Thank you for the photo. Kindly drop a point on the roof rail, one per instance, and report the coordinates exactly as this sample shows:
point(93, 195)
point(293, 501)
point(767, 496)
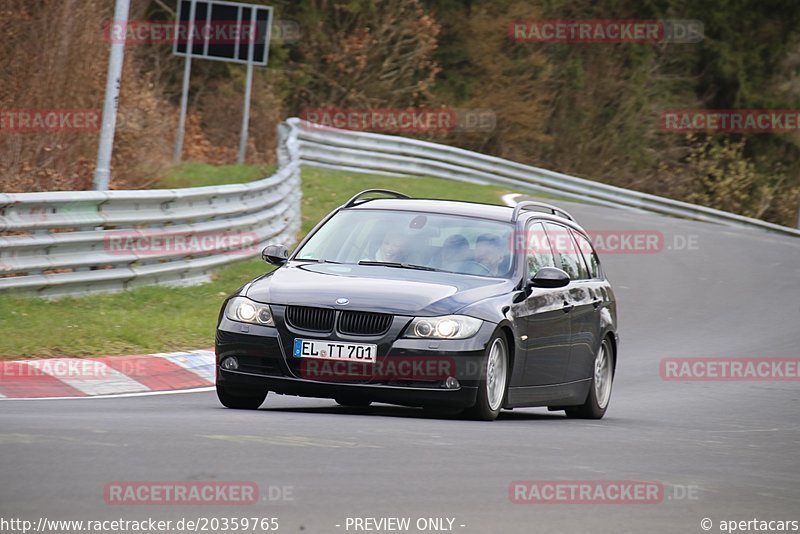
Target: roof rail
point(525, 204)
point(394, 194)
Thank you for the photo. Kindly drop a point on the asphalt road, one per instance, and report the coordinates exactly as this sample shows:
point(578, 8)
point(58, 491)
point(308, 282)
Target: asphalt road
point(722, 450)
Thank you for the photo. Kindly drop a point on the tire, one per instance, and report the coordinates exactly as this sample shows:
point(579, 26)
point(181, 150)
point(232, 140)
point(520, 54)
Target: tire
point(240, 401)
point(600, 391)
point(493, 384)
point(353, 403)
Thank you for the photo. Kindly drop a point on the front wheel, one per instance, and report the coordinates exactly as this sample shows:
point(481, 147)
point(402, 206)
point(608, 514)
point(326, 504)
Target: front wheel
point(600, 391)
point(494, 380)
point(240, 400)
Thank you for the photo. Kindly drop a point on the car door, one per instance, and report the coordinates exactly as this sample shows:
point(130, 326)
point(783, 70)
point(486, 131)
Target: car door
point(545, 342)
point(587, 297)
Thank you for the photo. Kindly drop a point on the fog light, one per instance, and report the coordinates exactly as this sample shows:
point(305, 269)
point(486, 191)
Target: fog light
point(230, 363)
point(452, 383)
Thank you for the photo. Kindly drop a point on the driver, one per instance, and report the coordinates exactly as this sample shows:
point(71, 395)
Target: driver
point(394, 248)
point(489, 252)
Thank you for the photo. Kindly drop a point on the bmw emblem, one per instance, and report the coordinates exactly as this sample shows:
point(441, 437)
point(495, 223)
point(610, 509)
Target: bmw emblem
point(342, 301)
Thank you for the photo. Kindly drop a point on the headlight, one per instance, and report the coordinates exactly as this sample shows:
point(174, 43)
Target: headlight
point(244, 310)
point(447, 327)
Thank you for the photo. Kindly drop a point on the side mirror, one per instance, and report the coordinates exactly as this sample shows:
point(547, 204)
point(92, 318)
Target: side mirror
point(550, 278)
point(275, 254)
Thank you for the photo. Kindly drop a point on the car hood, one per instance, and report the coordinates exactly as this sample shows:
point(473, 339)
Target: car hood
point(374, 288)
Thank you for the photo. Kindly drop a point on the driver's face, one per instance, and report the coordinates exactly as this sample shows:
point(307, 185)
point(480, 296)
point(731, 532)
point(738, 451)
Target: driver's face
point(392, 248)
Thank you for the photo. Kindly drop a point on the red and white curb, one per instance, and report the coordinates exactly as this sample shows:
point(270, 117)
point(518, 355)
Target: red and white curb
point(106, 376)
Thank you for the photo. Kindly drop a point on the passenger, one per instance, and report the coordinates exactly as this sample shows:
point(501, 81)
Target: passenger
point(455, 251)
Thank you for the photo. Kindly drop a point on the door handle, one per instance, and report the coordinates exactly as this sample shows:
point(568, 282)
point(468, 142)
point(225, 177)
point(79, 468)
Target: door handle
point(567, 307)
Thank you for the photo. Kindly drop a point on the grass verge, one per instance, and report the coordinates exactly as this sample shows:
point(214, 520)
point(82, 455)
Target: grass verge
point(162, 319)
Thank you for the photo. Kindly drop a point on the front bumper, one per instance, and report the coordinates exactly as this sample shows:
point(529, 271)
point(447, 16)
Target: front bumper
point(406, 396)
point(264, 364)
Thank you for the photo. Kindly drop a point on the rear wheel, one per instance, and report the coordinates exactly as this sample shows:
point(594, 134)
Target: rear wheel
point(494, 380)
point(240, 400)
point(600, 391)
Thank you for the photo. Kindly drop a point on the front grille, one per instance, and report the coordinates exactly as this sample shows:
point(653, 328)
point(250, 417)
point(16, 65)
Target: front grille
point(313, 319)
point(356, 323)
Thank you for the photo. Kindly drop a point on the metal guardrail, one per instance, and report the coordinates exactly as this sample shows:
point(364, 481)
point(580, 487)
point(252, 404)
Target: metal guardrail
point(62, 243)
point(54, 244)
point(376, 153)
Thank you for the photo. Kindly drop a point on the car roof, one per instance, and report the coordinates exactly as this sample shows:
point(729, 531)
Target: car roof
point(445, 207)
point(458, 207)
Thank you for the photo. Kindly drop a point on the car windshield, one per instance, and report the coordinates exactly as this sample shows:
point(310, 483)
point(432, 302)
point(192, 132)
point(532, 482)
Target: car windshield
point(414, 240)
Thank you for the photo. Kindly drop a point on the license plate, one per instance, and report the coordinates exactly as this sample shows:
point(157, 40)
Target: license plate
point(335, 350)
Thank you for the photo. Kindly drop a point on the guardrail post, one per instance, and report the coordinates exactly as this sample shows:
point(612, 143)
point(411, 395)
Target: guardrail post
point(284, 158)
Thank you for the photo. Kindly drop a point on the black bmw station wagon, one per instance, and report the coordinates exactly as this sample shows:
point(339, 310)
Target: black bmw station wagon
point(430, 303)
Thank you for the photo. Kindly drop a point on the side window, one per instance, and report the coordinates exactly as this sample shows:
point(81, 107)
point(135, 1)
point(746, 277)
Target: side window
point(589, 255)
point(567, 250)
point(537, 248)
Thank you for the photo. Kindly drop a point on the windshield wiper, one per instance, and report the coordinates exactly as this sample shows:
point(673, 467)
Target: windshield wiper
point(398, 265)
point(315, 260)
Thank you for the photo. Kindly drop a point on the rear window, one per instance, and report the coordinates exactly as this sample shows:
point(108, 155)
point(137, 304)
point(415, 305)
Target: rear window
point(566, 249)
